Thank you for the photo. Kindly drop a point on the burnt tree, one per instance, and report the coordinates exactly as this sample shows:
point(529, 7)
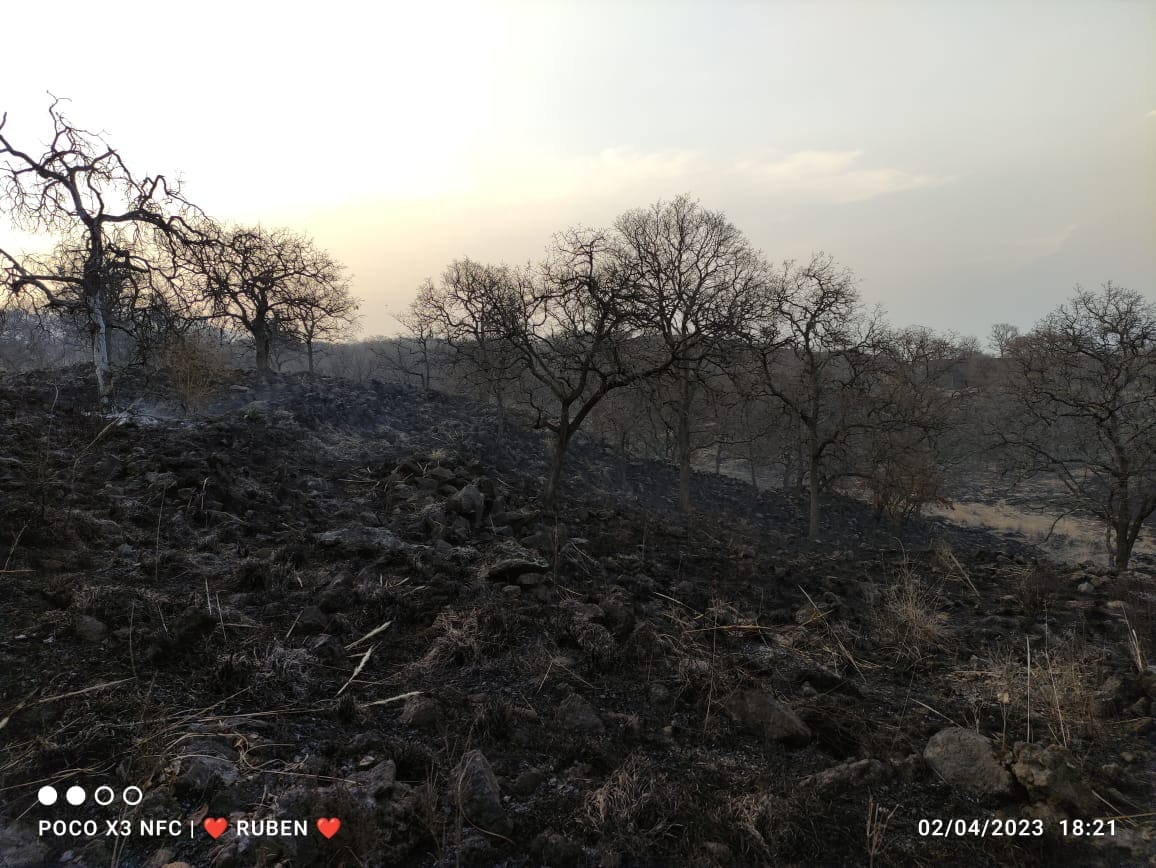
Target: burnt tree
point(263, 280)
point(696, 282)
point(1081, 407)
point(80, 188)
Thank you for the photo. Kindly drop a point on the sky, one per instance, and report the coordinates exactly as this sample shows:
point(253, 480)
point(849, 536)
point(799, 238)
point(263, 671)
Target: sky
point(971, 161)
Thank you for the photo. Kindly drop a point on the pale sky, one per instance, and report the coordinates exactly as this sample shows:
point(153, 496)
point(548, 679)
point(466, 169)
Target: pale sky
point(970, 161)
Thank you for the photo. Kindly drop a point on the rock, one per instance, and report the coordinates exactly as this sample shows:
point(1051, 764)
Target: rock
point(478, 794)
point(865, 772)
point(508, 569)
point(1140, 726)
point(89, 629)
point(577, 715)
point(207, 765)
point(658, 693)
point(311, 621)
point(327, 649)
point(421, 712)
point(759, 711)
point(379, 779)
point(469, 502)
point(1049, 773)
point(441, 474)
point(527, 782)
point(361, 540)
point(966, 760)
point(545, 540)
point(1148, 682)
point(717, 851)
point(557, 851)
point(1085, 587)
point(20, 848)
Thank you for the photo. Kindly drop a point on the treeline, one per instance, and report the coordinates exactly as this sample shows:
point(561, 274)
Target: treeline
point(669, 334)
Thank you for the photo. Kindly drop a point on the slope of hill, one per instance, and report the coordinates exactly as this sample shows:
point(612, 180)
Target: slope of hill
point(318, 600)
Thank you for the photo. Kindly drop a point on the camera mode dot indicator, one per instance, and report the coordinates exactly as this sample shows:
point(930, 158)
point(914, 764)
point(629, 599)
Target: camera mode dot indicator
point(75, 795)
point(47, 796)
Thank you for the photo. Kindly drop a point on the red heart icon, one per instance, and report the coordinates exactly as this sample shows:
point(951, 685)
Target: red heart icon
point(216, 827)
point(328, 826)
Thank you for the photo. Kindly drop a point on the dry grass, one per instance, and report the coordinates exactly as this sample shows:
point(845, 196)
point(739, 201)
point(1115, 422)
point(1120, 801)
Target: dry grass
point(634, 805)
point(1051, 697)
point(952, 567)
point(458, 639)
point(877, 819)
point(196, 369)
point(910, 619)
point(1070, 539)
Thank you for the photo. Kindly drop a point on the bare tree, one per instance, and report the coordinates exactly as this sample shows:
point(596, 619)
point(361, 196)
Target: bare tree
point(1003, 334)
point(815, 351)
point(421, 322)
point(696, 278)
point(1082, 408)
point(913, 445)
point(81, 188)
point(321, 309)
point(265, 281)
point(469, 307)
point(570, 324)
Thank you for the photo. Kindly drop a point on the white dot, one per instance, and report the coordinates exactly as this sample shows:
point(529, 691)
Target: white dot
point(75, 795)
point(47, 796)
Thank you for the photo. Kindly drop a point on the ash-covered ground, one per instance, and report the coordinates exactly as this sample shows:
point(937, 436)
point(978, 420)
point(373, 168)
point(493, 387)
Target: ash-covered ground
point(316, 599)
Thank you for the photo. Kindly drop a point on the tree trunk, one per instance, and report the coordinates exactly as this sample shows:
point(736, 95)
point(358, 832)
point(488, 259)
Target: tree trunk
point(561, 441)
point(813, 485)
point(100, 354)
point(1125, 540)
point(263, 343)
point(684, 440)
point(309, 353)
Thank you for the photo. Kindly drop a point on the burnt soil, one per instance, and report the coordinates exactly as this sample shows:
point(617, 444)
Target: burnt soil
point(189, 600)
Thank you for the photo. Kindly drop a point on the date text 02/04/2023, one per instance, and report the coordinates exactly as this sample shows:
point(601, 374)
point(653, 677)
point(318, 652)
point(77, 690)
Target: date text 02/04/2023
point(996, 828)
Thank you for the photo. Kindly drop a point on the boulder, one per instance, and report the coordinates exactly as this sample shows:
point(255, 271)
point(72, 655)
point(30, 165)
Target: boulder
point(848, 776)
point(421, 712)
point(1050, 774)
point(478, 793)
point(469, 502)
point(361, 540)
point(508, 569)
point(578, 715)
point(208, 765)
point(760, 712)
point(966, 760)
point(89, 629)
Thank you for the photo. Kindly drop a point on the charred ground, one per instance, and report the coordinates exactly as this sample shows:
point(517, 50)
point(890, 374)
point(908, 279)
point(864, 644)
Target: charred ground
point(189, 602)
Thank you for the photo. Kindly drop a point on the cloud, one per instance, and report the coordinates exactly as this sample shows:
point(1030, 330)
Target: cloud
point(833, 176)
point(618, 171)
point(1045, 244)
point(1151, 114)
